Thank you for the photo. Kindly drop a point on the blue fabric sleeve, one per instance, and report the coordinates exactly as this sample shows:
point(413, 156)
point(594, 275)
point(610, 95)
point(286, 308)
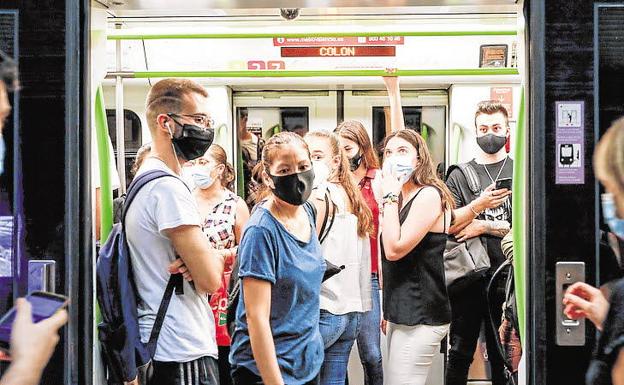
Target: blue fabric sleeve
point(257, 254)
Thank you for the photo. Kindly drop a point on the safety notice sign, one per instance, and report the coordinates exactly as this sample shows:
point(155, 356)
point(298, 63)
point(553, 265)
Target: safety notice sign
point(570, 142)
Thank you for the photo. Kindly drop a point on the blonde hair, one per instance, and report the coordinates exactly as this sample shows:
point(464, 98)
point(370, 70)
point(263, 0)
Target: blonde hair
point(425, 172)
point(345, 179)
point(355, 132)
point(609, 155)
point(217, 153)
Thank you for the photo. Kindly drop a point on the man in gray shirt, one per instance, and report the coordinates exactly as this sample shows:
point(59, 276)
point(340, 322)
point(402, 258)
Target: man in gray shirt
point(162, 224)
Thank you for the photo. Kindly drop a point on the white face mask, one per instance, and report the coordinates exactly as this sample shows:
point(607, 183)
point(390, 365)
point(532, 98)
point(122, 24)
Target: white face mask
point(401, 165)
point(321, 173)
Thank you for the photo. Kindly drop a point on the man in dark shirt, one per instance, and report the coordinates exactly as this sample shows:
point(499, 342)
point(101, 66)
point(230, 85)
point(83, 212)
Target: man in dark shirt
point(487, 215)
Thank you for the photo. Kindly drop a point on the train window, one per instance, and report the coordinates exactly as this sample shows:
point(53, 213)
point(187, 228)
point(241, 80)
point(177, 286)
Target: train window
point(381, 119)
point(268, 121)
point(133, 136)
point(264, 122)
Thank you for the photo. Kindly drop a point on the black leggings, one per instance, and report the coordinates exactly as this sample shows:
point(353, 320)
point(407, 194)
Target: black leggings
point(244, 376)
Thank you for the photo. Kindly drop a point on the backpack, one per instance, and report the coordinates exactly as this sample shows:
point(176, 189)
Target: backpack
point(468, 261)
point(508, 342)
point(125, 356)
point(235, 282)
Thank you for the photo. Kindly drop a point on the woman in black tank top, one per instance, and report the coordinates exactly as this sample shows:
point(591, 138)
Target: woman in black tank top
point(416, 217)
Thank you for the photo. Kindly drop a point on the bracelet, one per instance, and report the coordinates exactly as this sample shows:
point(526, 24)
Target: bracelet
point(474, 211)
point(389, 199)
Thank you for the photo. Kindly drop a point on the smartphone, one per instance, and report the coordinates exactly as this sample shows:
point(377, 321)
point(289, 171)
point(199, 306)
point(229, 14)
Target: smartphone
point(503, 183)
point(43, 305)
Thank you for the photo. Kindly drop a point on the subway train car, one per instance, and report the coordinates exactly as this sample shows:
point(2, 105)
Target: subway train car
point(78, 120)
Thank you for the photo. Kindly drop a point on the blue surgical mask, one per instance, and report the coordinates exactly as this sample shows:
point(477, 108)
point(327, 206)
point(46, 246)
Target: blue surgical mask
point(2, 151)
point(202, 178)
point(609, 212)
point(401, 165)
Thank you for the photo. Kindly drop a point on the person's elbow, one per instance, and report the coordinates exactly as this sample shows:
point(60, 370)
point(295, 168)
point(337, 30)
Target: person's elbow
point(393, 254)
point(209, 283)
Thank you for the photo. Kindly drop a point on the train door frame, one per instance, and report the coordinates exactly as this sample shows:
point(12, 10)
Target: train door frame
point(79, 337)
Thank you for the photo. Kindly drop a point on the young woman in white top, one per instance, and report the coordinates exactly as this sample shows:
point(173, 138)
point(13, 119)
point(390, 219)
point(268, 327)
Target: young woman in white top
point(346, 296)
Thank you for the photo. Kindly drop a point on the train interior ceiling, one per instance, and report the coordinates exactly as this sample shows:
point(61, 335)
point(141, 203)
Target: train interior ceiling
point(450, 55)
point(293, 65)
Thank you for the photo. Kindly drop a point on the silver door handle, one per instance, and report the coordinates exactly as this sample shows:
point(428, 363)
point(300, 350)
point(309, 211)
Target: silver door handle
point(41, 275)
point(569, 332)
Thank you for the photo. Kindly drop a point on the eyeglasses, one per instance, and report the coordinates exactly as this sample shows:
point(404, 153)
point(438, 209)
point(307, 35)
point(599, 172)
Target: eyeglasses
point(200, 120)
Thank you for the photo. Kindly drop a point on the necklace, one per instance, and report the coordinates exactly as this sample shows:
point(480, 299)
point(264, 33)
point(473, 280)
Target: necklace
point(499, 171)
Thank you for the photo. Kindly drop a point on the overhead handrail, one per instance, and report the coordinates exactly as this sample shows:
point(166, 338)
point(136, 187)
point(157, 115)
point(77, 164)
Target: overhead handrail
point(518, 226)
point(247, 35)
point(310, 73)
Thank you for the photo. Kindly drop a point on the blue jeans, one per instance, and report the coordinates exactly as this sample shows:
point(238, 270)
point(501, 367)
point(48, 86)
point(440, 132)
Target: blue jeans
point(339, 333)
point(369, 339)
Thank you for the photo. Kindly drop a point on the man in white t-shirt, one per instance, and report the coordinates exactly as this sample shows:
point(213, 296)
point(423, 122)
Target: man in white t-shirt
point(163, 223)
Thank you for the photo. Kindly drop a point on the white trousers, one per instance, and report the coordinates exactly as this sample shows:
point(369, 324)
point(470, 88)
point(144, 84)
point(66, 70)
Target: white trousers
point(410, 352)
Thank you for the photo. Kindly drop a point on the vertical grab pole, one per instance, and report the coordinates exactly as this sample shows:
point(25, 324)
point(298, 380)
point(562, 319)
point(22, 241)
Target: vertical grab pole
point(518, 227)
point(106, 191)
point(120, 120)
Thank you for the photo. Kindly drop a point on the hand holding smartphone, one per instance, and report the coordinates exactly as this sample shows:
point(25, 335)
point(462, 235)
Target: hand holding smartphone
point(42, 305)
point(504, 183)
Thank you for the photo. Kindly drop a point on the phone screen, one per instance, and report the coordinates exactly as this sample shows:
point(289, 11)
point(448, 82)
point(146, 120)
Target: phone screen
point(503, 183)
point(43, 305)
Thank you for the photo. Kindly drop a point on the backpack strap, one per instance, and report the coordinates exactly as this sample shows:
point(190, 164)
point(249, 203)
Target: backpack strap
point(175, 280)
point(474, 183)
point(325, 229)
point(138, 183)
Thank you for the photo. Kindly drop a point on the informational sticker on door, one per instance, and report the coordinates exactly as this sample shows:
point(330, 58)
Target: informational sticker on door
point(570, 143)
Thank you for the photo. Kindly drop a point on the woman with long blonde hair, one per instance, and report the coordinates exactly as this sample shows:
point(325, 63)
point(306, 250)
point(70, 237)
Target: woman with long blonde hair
point(416, 218)
point(346, 296)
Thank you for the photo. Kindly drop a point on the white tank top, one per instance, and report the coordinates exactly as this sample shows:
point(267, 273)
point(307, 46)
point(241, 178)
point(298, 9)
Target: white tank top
point(350, 290)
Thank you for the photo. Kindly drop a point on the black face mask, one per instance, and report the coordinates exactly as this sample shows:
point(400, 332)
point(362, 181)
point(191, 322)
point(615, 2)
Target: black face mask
point(491, 143)
point(294, 188)
point(192, 141)
point(355, 162)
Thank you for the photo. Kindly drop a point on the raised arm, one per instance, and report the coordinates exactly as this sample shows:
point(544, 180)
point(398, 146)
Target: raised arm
point(396, 110)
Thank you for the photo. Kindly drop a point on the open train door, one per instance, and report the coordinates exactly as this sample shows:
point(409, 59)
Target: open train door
point(45, 216)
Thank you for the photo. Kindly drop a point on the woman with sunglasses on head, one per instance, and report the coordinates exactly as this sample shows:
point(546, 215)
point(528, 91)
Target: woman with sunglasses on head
point(348, 223)
point(276, 339)
point(223, 217)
